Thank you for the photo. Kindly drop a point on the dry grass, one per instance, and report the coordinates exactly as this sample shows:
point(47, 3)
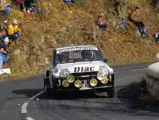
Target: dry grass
point(61, 24)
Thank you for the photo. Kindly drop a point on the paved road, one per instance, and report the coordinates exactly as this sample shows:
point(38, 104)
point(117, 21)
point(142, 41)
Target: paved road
point(76, 106)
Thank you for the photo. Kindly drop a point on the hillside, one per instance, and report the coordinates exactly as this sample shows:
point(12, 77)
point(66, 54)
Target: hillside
point(60, 24)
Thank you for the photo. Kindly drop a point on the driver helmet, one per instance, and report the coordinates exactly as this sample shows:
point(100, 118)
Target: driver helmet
point(87, 54)
point(64, 57)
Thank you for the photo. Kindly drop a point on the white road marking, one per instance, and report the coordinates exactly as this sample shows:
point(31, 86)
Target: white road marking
point(24, 108)
point(25, 105)
point(138, 69)
point(133, 70)
point(29, 118)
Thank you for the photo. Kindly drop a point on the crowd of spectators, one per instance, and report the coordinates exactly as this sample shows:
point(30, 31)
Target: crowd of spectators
point(136, 17)
point(9, 33)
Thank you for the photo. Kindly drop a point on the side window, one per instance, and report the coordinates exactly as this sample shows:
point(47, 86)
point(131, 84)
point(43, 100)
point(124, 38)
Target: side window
point(53, 58)
point(100, 54)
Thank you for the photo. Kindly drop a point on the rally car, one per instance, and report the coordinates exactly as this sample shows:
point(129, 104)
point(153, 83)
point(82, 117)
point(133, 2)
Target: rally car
point(79, 68)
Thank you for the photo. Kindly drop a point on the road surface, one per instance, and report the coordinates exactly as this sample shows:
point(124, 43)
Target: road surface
point(25, 100)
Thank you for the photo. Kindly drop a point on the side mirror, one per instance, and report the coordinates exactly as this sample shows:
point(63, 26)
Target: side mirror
point(105, 60)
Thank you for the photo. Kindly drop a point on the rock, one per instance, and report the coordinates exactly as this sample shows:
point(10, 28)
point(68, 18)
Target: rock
point(47, 60)
point(42, 39)
point(17, 51)
point(63, 29)
point(138, 33)
point(3, 3)
point(54, 41)
point(157, 55)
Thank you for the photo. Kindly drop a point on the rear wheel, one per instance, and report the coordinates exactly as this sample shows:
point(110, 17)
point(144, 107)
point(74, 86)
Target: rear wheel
point(110, 92)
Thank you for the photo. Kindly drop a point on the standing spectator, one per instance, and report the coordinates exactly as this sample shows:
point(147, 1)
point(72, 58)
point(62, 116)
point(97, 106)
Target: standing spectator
point(14, 30)
point(121, 10)
point(3, 58)
point(138, 21)
point(101, 24)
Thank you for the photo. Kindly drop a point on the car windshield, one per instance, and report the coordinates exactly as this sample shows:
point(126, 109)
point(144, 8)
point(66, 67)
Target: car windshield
point(79, 56)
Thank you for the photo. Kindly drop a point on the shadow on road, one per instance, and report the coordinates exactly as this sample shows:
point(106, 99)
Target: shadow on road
point(59, 95)
point(126, 99)
point(131, 96)
point(27, 92)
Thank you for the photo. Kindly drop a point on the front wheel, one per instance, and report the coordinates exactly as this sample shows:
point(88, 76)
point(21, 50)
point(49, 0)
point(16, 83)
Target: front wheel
point(48, 90)
point(110, 92)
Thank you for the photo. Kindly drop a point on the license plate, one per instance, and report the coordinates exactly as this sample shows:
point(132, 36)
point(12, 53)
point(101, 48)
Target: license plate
point(85, 84)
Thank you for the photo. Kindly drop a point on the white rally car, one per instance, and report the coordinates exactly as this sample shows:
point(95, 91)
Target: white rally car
point(79, 68)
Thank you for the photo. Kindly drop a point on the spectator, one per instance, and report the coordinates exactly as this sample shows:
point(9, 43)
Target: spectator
point(1, 11)
point(21, 3)
point(14, 30)
point(7, 10)
point(137, 19)
point(121, 10)
point(5, 41)
point(68, 1)
point(154, 3)
point(3, 58)
point(3, 27)
point(32, 10)
point(1, 37)
point(101, 24)
point(156, 35)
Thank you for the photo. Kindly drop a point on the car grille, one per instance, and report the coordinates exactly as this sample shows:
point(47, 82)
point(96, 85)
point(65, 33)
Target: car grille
point(85, 75)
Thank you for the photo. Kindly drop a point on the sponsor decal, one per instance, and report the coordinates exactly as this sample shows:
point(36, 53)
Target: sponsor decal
point(75, 49)
point(83, 69)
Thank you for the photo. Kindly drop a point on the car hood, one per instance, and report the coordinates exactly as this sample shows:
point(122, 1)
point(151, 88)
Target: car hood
point(80, 67)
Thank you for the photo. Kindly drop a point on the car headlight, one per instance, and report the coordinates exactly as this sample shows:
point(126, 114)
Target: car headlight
point(100, 76)
point(93, 82)
point(103, 70)
point(102, 73)
point(105, 80)
point(64, 73)
point(78, 83)
point(65, 83)
point(70, 78)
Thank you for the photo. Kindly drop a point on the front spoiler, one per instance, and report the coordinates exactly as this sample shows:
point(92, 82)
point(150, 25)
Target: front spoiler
point(101, 88)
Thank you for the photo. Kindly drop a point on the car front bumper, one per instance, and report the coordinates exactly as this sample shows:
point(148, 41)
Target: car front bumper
point(99, 88)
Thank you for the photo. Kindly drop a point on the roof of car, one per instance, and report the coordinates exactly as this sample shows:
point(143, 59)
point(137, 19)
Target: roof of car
point(84, 46)
point(79, 47)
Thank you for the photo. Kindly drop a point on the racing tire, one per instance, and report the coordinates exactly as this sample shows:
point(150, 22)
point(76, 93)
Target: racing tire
point(48, 90)
point(110, 92)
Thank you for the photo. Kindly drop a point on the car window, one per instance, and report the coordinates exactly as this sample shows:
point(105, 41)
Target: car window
point(79, 56)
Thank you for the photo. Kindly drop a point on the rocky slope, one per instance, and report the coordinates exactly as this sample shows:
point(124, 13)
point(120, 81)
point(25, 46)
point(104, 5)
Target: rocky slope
point(61, 24)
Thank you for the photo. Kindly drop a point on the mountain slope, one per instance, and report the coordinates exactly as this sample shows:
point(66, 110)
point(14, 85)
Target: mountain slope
point(61, 24)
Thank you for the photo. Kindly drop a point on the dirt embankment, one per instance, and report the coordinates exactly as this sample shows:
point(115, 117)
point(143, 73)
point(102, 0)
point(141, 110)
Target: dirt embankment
point(61, 24)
